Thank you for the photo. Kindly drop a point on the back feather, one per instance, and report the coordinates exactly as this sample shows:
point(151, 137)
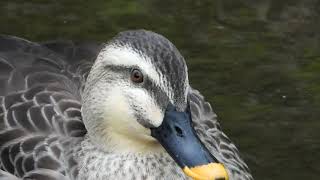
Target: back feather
point(40, 90)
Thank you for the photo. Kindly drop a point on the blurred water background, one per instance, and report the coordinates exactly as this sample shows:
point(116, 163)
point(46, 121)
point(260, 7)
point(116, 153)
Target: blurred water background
point(256, 61)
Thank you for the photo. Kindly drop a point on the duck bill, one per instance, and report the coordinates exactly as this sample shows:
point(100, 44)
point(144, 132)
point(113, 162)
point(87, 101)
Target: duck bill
point(178, 137)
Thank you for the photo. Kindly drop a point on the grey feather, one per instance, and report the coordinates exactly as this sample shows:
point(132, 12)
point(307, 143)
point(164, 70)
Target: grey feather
point(40, 109)
point(209, 131)
point(7, 176)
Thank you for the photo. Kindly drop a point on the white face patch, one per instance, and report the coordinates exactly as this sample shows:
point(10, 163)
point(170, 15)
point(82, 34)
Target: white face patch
point(120, 126)
point(126, 56)
point(146, 106)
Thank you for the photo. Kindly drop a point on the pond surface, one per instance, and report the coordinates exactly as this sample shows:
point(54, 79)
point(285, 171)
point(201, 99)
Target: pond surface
point(257, 62)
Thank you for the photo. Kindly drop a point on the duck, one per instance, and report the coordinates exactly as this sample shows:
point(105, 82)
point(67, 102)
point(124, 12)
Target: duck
point(123, 109)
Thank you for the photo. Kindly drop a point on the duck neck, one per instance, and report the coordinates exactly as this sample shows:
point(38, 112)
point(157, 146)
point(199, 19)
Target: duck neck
point(96, 163)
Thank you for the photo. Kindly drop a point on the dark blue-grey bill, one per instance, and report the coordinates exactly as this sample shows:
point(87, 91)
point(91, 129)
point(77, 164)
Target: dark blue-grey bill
point(177, 135)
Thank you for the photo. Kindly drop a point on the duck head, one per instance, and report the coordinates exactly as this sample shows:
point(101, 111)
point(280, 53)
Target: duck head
point(136, 101)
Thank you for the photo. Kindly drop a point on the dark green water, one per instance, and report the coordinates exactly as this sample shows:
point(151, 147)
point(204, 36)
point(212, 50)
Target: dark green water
point(256, 61)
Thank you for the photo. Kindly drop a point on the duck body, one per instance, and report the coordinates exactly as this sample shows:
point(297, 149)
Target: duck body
point(43, 135)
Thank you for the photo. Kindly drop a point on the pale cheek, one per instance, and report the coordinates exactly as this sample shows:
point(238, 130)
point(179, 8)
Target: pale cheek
point(155, 115)
point(118, 115)
point(147, 107)
point(121, 130)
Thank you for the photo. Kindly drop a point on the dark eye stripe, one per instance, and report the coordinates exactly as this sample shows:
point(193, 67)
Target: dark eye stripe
point(159, 95)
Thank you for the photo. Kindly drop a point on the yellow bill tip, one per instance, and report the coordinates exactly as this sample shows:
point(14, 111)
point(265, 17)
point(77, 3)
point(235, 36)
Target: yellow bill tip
point(212, 171)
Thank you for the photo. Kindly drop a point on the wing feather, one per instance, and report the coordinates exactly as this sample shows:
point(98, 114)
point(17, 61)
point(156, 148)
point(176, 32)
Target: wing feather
point(7, 176)
point(40, 117)
point(209, 131)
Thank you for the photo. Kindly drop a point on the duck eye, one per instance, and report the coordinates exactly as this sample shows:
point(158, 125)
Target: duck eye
point(136, 76)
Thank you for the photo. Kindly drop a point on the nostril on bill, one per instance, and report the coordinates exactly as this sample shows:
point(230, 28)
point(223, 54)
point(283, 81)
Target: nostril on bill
point(178, 131)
